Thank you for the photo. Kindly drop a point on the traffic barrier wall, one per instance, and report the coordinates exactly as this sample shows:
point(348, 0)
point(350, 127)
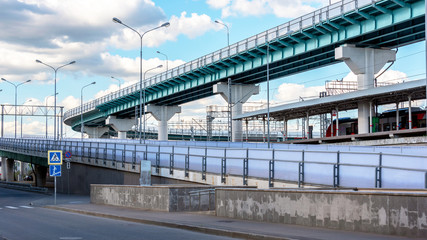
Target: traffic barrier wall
point(383, 212)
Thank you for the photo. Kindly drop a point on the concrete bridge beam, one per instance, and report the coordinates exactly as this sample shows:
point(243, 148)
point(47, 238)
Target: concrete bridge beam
point(120, 125)
point(239, 95)
point(364, 63)
point(163, 114)
point(96, 132)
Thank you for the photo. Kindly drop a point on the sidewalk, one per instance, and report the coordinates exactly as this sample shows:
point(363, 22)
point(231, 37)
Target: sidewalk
point(211, 224)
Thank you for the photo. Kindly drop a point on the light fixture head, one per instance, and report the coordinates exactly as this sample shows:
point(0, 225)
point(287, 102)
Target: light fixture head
point(160, 66)
point(93, 83)
point(72, 62)
point(116, 20)
point(216, 21)
point(158, 51)
point(28, 80)
point(3, 79)
point(166, 24)
point(38, 61)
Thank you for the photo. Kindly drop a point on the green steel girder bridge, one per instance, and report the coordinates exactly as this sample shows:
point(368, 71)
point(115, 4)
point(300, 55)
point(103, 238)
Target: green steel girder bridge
point(302, 44)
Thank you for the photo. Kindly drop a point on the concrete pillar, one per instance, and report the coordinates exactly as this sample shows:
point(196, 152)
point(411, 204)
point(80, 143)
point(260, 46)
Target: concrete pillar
point(285, 129)
point(364, 63)
point(370, 117)
point(308, 126)
point(120, 125)
point(163, 114)
point(96, 132)
point(3, 169)
point(41, 173)
point(8, 165)
point(239, 94)
point(337, 123)
point(397, 116)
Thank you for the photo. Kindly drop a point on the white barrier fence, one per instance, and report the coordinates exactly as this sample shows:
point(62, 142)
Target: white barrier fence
point(337, 166)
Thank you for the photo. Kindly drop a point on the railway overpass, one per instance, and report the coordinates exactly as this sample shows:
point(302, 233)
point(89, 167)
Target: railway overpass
point(367, 29)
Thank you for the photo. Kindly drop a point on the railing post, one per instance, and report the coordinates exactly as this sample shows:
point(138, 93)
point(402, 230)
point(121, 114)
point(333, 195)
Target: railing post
point(245, 168)
point(271, 171)
point(204, 164)
point(105, 154)
point(337, 171)
point(301, 171)
point(158, 160)
point(224, 166)
point(124, 155)
point(378, 172)
point(97, 153)
point(171, 161)
point(114, 155)
point(187, 162)
point(134, 157)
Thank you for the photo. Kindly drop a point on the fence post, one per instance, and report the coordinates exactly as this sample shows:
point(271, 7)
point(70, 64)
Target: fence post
point(114, 155)
point(337, 171)
point(204, 164)
point(378, 182)
point(271, 172)
point(224, 166)
point(187, 162)
point(171, 161)
point(246, 168)
point(134, 157)
point(158, 160)
point(301, 171)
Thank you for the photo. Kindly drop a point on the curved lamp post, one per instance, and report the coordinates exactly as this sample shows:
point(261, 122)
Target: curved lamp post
point(167, 68)
point(16, 96)
point(228, 31)
point(54, 109)
point(118, 80)
point(47, 110)
point(81, 108)
point(143, 99)
point(167, 24)
point(28, 100)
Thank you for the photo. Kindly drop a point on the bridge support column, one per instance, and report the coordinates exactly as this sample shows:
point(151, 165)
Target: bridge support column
point(364, 63)
point(239, 94)
point(162, 114)
point(96, 132)
point(120, 125)
point(3, 169)
point(7, 169)
point(41, 173)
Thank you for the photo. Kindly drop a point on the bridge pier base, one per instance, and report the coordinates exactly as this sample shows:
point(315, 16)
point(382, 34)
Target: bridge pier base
point(120, 125)
point(41, 173)
point(364, 63)
point(239, 94)
point(163, 114)
point(7, 169)
point(96, 132)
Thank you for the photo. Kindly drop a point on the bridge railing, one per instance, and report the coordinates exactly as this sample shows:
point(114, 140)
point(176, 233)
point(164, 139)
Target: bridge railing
point(280, 32)
point(355, 168)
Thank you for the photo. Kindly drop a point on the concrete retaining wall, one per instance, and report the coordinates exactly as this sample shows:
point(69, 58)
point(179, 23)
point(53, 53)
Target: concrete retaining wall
point(173, 198)
point(391, 213)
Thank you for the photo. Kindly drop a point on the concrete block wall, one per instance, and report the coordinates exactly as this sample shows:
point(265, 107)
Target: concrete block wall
point(392, 213)
point(172, 198)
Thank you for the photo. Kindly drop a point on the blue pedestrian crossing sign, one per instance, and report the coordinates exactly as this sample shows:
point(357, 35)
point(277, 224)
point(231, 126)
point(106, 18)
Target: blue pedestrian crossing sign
point(54, 157)
point(55, 170)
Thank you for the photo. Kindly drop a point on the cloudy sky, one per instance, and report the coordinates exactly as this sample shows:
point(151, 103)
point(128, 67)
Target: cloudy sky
point(59, 31)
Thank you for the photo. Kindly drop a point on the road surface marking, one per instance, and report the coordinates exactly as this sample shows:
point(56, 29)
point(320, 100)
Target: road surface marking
point(10, 207)
point(25, 207)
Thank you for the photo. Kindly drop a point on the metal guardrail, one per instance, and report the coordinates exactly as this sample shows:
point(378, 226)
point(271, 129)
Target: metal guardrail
point(202, 205)
point(23, 186)
point(281, 31)
point(322, 167)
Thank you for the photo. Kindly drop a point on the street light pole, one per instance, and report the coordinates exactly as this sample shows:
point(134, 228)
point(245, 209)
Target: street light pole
point(81, 108)
point(16, 97)
point(228, 31)
point(167, 68)
point(54, 109)
point(167, 24)
point(143, 100)
point(118, 80)
point(29, 100)
point(48, 111)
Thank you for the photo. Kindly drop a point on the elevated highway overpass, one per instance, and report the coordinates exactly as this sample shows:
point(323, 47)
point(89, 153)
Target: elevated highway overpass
point(305, 43)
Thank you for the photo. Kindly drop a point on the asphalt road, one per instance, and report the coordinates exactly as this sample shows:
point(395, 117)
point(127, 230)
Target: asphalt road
point(22, 216)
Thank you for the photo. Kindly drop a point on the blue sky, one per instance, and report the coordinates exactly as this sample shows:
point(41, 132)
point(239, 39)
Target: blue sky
point(57, 32)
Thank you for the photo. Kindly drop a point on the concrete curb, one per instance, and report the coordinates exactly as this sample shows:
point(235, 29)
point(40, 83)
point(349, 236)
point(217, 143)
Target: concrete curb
point(206, 230)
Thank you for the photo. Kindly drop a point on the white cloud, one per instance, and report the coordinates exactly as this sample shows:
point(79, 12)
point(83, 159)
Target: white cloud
point(291, 92)
point(280, 8)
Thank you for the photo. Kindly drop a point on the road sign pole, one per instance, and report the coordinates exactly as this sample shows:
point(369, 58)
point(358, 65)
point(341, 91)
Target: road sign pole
point(55, 191)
